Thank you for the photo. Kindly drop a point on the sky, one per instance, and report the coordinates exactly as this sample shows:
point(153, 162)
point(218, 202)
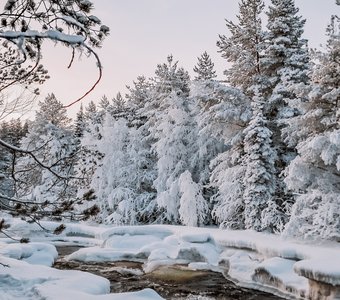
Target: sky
point(145, 32)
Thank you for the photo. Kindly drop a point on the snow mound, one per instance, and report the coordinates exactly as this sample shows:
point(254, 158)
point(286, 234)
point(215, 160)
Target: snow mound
point(326, 270)
point(33, 253)
point(21, 280)
point(279, 273)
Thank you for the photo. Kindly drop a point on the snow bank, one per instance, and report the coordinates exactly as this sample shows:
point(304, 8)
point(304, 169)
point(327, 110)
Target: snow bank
point(324, 270)
point(21, 280)
point(33, 253)
point(279, 272)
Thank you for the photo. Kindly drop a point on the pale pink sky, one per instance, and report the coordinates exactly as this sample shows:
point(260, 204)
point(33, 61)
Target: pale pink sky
point(145, 32)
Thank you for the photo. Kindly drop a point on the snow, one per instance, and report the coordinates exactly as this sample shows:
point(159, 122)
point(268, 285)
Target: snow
point(325, 270)
point(33, 253)
point(251, 259)
point(21, 280)
point(50, 34)
point(282, 271)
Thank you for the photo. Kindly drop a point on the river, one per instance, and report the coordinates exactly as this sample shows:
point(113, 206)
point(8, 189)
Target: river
point(175, 282)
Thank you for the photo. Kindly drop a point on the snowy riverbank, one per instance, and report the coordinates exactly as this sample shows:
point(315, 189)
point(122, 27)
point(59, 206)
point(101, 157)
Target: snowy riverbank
point(291, 269)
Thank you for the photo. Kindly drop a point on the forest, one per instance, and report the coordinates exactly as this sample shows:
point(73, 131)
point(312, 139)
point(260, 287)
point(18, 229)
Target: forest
point(259, 150)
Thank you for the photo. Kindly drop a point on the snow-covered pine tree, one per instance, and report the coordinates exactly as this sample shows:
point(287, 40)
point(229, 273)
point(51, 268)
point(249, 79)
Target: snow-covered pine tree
point(122, 181)
point(220, 113)
point(89, 157)
point(53, 111)
point(173, 134)
point(259, 181)
point(193, 208)
point(285, 64)
point(118, 167)
point(286, 59)
point(92, 117)
point(51, 141)
point(243, 48)
point(237, 201)
point(204, 68)
point(79, 124)
point(314, 175)
point(118, 103)
point(138, 93)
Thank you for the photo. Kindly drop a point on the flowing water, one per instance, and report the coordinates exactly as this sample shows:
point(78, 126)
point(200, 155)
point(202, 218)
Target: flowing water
point(174, 282)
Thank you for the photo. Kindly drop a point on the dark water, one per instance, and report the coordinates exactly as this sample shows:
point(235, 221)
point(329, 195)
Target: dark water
point(171, 283)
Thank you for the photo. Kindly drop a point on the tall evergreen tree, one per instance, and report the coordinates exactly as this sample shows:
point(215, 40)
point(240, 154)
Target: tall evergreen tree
point(243, 48)
point(51, 141)
point(170, 131)
point(286, 59)
point(315, 173)
point(79, 125)
point(246, 165)
point(259, 175)
point(204, 68)
point(122, 182)
point(285, 66)
point(53, 111)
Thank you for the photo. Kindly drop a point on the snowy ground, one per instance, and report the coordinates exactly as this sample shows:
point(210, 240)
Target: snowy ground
point(251, 259)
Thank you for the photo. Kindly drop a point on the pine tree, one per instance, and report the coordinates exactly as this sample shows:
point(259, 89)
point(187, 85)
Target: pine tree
point(314, 174)
point(122, 183)
point(138, 93)
point(79, 123)
point(285, 65)
point(220, 114)
point(50, 139)
point(172, 135)
point(205, 68)
point(241, 203)
point(243, 48)
point(53, 111)
point(118, 103)
point(259, 175)
point(286, 58)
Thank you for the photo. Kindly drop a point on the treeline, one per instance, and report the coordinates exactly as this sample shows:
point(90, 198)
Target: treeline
point(260, 151)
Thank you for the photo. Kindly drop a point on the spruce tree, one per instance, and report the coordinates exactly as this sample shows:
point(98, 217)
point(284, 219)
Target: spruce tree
point(204, 68)
point(53, 111)
point(244, 163)
point(285, 65)
point(79, 123)
point(259, 178)
point(286, 58)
